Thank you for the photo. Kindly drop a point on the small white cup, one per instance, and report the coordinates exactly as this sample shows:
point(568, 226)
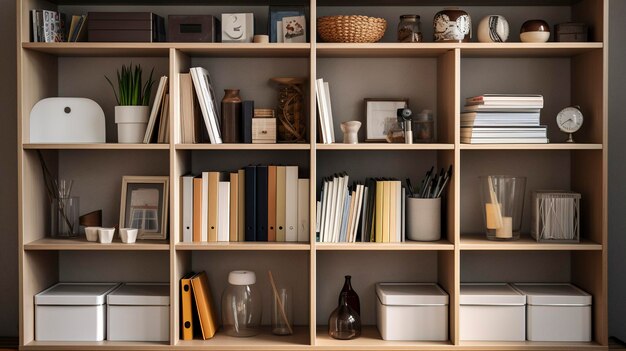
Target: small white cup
point(128, 235)
point(91, 233)
point(106, 235)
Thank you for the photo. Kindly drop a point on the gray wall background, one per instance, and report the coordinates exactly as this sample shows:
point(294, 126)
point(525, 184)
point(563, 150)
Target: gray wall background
point(8, 177)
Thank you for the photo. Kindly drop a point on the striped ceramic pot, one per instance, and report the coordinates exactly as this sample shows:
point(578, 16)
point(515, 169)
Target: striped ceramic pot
point(493, 29)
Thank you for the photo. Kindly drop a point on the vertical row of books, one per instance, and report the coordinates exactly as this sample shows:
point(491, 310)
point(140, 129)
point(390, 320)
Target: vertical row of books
point(158, 130)
point(370, 212)
point(51, 27)
point(324, 108)
point(256, 203)
point(503, 119)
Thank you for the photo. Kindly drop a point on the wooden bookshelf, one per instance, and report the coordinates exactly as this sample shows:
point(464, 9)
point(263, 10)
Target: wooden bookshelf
point(435, 76)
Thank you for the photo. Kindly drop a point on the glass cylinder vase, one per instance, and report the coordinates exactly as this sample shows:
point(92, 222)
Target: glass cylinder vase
point(282, 312)
point(502, 204)
point(241, 305)
point(64, 217)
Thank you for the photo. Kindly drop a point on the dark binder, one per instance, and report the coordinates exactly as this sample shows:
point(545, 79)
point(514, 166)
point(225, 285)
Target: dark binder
point(247, 112)
point(261, 203)
point(250, 175)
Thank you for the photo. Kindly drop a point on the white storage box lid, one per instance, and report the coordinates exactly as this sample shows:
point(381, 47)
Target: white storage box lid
point(490, 295)
point(72, 294)
point(554, 294)
point(140, 294)
point(411, 294)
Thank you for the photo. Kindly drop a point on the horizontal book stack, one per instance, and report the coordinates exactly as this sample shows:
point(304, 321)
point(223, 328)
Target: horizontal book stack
point(503, 119)
point(370, 212)
point(256, 203)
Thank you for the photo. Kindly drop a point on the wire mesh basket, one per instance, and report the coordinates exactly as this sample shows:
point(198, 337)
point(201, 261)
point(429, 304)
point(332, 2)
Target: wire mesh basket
point(556, 216)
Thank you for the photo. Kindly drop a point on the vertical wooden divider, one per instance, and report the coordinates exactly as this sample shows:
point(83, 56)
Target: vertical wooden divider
point(312, 172)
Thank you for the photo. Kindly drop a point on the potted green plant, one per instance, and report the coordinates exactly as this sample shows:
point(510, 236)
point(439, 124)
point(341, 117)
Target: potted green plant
point(133, 97)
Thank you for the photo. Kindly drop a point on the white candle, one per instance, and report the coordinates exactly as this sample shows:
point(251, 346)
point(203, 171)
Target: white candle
point(506, 231)
point(493, 216)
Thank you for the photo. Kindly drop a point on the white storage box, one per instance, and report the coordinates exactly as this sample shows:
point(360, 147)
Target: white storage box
point(72, 312)
point(556, 312)
point(412, 311)
point(139, 312)
point(492, 312)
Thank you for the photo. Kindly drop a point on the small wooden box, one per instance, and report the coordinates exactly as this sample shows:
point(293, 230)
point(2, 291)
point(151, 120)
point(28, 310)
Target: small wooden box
point(193, 28)
point(143, 27)
point(264, 130)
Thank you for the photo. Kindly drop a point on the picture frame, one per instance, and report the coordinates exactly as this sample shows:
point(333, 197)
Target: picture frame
point(144, 205)
point(378, 111)
point(275, 21)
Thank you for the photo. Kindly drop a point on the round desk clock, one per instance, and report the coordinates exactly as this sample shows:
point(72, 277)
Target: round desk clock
point(569, 120)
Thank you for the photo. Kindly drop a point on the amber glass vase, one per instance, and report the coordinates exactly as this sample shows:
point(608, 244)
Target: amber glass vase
point(344, 323)
point(352, 296)
point(231, 116)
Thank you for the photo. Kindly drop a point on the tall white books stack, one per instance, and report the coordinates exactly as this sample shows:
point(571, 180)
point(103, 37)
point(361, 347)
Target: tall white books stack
point(208, 104)
point(503, 119)
point(325, 112)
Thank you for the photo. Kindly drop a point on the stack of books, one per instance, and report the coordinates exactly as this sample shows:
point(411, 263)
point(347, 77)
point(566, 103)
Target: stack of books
point(370, 212)
point(256, 203)
point(503, 119)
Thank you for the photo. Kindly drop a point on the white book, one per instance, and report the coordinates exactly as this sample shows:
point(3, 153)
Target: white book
point(303, 210)
point(337, 208)
point(330, 209)
point(223, 211)
point(321, 106)
point(205, 207)
point(327, 188)
point(344, 221)
point(357, 212)
point(318, 212)
point(291, 203)
point(364, 235)
point(202, 83)
point(349, 218)
point(156, 107)
point(398, 219)
point(187, 203)
point(343, 195)
point(329, 112)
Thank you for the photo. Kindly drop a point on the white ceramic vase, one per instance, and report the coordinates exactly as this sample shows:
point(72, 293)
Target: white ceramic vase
point(132, 122)
point(493, 29)
point(350, 131)
point(105, 235)
point(128, 235)
point(91, 233)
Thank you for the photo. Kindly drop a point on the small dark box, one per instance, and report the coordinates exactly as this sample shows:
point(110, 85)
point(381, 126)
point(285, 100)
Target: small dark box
point(571, 32)
point(142, 27)
point(193, 28)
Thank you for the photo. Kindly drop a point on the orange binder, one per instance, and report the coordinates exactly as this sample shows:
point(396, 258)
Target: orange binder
point(186, 307)
point(214, 180)
point(197, 210)
point(271, 203)
point(204, 304)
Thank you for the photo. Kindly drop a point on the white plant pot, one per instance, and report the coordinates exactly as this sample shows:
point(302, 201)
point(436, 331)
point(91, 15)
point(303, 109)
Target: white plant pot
point(132, 122)
point(91, 233)
point(128, 235)
point(106, 235)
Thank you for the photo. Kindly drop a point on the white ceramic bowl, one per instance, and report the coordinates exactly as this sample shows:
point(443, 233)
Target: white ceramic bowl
point(106, 235)
point(128, 235)
point(534, 37)
point(91, 233)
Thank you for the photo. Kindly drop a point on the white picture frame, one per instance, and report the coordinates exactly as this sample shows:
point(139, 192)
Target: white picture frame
point(144, 205)
point(377, 113)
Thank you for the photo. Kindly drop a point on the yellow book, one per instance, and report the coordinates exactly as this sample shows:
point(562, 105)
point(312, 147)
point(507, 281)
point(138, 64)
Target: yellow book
point(186, 307)
point(204, 304)
point(393, 200)
point(281, 199)
point(234, 206)
point(379, 211)
point(214, 180)
point(386, 210)
point(241, 206)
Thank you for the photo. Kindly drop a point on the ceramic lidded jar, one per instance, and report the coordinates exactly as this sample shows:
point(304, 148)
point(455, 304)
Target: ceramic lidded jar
point(452, 25)
point(493, 29)
point(535, 31)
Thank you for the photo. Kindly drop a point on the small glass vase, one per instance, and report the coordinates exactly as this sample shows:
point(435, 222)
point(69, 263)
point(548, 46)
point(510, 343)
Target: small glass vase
point(503, 204)
point(282, 313)
point(64, 217)
point(344, 323)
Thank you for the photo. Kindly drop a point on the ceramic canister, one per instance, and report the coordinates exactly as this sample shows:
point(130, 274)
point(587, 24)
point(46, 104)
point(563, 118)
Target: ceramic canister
point(535, 31)
point(493, 29)
point(452, 25)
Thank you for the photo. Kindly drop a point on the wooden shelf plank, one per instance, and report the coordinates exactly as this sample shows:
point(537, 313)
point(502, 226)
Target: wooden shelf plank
point(82, 244)
point(551, 146)
point(244, 246)
point(96, 345)
point(245, 49)
point(480, 242)
point(526, 49)
point(406, 246)
point(276, 146)
point(384, 146)
point(101, 49)
point(344, 50)
point(528, 345)
point(370, 339)
point(264, 341)
point(102, 146)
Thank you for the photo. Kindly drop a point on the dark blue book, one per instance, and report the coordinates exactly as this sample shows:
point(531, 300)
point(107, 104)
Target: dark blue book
point(261, 203)
point(250, 206)
point(247, 113)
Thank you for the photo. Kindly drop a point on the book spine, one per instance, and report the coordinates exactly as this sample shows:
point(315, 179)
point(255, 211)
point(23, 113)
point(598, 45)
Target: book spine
point(247, 113)
point(250, 179)
point(261, 203)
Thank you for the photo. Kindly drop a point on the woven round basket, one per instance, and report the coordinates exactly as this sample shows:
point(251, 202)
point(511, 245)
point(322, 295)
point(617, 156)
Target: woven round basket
point(351, 29)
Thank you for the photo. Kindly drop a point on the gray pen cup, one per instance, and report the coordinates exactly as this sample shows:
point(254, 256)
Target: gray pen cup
point(423, 219)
